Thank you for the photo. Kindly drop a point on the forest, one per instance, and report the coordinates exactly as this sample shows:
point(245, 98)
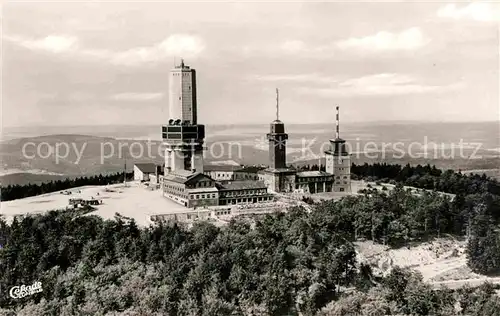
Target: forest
point(290, 263)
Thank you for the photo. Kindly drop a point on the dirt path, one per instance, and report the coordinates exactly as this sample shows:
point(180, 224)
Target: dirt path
point(455, 284)
point(432, 270)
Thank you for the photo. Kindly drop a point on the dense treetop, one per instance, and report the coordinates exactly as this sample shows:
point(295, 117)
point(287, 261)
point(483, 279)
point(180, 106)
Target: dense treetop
point(289, 263)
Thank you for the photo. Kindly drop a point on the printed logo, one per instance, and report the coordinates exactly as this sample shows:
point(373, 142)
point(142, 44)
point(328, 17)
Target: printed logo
point(25, 290)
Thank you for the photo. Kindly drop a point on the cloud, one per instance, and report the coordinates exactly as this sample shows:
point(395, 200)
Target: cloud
point(476, 11)
point(380, 84)
point(176, 45)
point(301, 78)
point(130, 96)
point(409, 39)
point(293, 46)
point(52, 43)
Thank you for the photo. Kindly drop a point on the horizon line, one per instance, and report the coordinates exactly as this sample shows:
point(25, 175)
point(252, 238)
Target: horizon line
point(258, 123)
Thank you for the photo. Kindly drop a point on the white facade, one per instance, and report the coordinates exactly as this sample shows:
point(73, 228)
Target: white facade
point(139, 175)
point(174, 160)
point(197, 161)
point(182, 94)
point(221, 175)
point(340, 167)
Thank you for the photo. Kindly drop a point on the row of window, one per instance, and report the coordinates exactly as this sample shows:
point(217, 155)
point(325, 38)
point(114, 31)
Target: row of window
point(338, 182)
point(338, 177)
point(244, 192)
point(177, 74)
point(231, 176)
point(322, 179)
point(203, 184)
point(224, 175)
point(174, 188)
point(246, 200)
point(175, 196)
point(202, 196)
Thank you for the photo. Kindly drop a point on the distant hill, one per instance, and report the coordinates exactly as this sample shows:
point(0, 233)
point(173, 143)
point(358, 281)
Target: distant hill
point(90, 155)
point(241, 144)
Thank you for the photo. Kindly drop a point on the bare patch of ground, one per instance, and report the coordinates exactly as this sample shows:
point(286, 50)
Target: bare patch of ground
point(441, 262)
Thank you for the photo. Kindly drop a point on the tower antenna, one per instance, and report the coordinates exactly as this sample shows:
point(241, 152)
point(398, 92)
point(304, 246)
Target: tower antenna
point(337, 133)
point(125, 172)
point(277, 104)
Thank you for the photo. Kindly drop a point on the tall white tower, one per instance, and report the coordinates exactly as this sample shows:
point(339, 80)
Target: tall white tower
point(182, 135)
point(338, 161)
point(182, 94)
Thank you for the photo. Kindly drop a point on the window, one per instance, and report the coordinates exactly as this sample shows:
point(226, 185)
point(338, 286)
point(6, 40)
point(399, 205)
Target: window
point(197, 196)
point(203, 196)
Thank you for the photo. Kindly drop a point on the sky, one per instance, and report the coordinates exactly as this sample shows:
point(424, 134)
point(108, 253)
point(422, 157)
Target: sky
point(107, 63)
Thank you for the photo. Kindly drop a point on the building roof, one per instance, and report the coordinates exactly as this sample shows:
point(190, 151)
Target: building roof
point(313, 174)
point(250, 169)
point(221, 168)
point(174, 178)
point(337, 140)
point(203, 190)
point(278, 170)
point(184, 173)
point(180, 176)
point(146, 167)
point(242, 185)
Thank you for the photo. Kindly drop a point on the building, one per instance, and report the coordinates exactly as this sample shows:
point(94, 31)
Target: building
point(156, 179)
point(338, 161)
point(243, 192)
point(182, 94)
point(183, 136)
point(278, 177)
point(191, 189)
point(221, 172)
point(314, 182)
point(224, 173)
point(143, 171)
point(186, 180)
point(248, 173)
